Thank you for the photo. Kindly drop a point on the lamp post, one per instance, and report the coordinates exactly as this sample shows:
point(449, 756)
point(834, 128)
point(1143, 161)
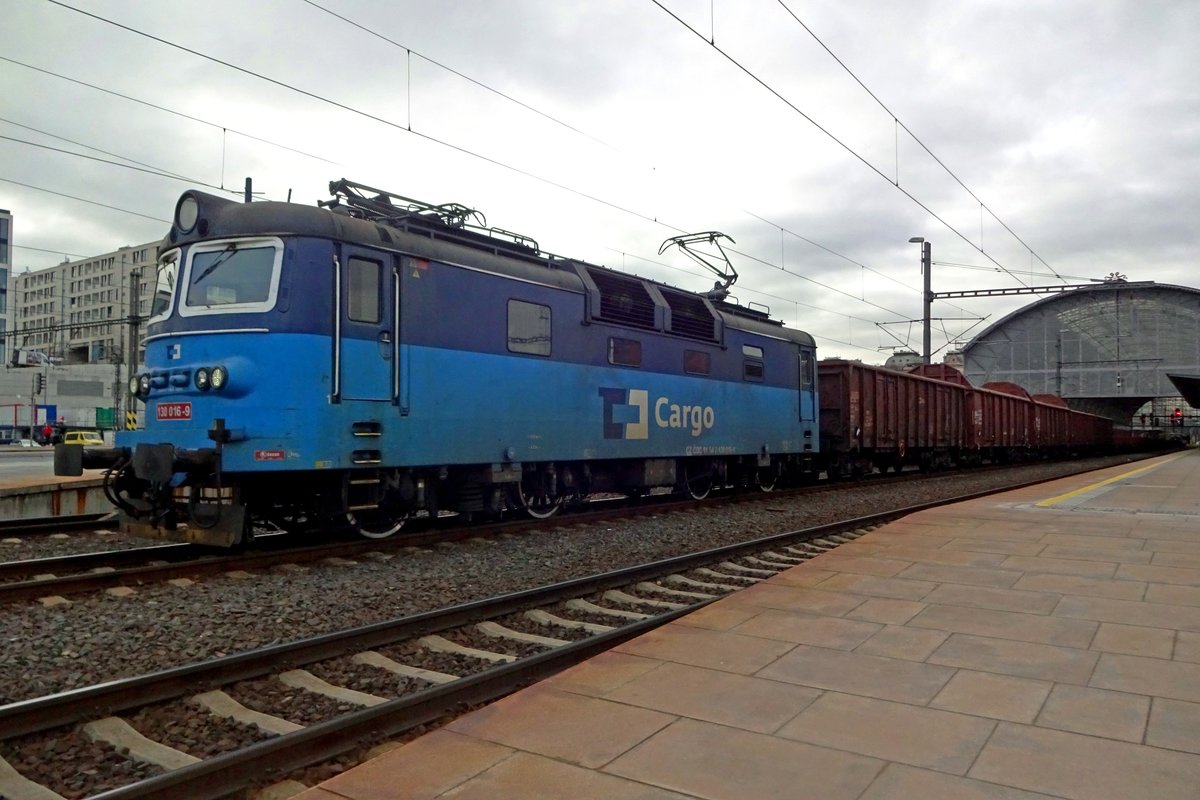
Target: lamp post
point(927, 294)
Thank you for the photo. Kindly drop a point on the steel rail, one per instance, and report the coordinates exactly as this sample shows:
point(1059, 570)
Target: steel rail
point(224, 774)
point(132, 566)
point(28, 716)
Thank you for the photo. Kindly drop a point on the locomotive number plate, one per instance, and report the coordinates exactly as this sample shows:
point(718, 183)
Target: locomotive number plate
point(174, 411)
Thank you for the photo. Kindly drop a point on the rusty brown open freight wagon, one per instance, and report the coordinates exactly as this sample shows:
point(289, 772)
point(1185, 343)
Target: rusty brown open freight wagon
point(872, 416)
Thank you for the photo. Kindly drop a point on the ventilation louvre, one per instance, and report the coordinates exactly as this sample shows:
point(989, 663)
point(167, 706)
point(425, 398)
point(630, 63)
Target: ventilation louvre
point(690, 316)
point(623, 300)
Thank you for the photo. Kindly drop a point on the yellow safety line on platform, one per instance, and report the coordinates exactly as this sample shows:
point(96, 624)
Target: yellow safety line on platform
point(1114, 479)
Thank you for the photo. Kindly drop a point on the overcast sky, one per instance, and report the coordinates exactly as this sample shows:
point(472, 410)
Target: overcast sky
point(602, 128)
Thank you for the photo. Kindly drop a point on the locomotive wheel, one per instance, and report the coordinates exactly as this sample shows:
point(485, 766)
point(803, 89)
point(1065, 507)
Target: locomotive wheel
point(697, 481)
point(536, 500)
point(375, 525)
point(766, 478)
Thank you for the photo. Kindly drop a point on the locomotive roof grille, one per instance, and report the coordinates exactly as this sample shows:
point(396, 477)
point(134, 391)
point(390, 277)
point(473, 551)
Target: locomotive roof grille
point(690, 316)
point(623, 300)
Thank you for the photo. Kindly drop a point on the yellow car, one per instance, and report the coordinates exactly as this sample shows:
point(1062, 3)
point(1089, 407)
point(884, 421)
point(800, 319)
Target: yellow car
point(85, 438)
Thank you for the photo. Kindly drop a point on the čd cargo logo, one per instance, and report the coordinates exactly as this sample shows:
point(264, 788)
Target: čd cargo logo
point(627, 414)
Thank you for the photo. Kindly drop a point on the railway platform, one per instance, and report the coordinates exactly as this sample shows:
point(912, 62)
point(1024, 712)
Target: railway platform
point(36, 493)
point(1039, 643)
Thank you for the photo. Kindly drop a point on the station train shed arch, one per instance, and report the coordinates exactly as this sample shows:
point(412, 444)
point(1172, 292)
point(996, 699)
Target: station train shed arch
point(1122, 350)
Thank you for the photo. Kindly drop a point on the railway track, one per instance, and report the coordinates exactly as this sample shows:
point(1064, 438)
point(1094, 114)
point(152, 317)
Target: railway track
point(629, 602)
point(88, 572)
point(91, 572)
point(573, 620)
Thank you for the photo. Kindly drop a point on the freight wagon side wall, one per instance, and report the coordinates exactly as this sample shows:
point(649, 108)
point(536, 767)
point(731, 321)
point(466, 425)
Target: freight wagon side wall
point(888, 412)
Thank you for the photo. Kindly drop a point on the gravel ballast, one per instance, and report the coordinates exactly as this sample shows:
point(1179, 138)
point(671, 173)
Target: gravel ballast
point(98, 637)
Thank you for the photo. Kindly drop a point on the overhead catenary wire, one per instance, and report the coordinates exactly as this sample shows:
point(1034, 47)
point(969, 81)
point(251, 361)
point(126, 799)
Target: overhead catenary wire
point(915, 138)
point(775, 92)
point(172, 111)
point(395, 125)
point(81, 200)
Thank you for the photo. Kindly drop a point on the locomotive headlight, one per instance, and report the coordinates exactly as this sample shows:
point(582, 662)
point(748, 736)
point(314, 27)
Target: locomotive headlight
point(134, 386)
point(144, 385)
point(202, 379)
point(187, 211)
point(220, 377)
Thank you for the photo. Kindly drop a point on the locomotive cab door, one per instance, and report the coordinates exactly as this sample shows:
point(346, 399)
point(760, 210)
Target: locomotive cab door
point(366, 330)
point(808, 385)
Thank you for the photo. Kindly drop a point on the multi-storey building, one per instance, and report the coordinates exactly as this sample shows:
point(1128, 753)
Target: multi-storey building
point(75, 313)
point(5, 272)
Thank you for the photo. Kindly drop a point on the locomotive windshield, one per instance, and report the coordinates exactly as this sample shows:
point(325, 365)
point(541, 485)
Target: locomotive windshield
point(231, 277)
point(168, 266)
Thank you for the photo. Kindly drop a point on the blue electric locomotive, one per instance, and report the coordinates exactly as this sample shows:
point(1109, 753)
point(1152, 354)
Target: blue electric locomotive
point(374, 357)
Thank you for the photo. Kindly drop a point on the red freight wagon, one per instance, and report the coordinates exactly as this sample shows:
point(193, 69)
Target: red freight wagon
point(1051, 423)
point(877, 417)
point(1001, 415)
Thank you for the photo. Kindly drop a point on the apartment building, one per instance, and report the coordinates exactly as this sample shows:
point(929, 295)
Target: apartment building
point(74, 313)
point(5, 272)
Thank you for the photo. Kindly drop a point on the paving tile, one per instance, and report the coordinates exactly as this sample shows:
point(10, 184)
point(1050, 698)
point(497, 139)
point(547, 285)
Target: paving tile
point(1125, 612)
point(997, 599)
point(1025, 660)
point(910, 644)
point(1181, 560)
point(894, 588)
point(802, 575)
point(527, 776)
point(1081, 585)
point(317, 793)
point(1110, 555)
point(1176, 680)
point(936, 555)
point(753, 704)
point(1093, 537)
point(1007, 625)
point(1175, 725)
point(1153, 574)
point(992, 546)
point(1171, 546)
point(1061, 566)
point(601, 673)
point(1134, 640)
point(545, 722)
point(720, 616)
point(787, 598)
point(1085, 767)
point(888, 612)
point(716, 762)
point(1187, 647)
point(835, 632)
point(971, 576)
point(985, 694)
point(1098, 712)
point(430, 765)
point(859, 673)
point(922, 737)
point(859, 565)
point(722, 650)
point(902, 782)
point(1173, 595)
